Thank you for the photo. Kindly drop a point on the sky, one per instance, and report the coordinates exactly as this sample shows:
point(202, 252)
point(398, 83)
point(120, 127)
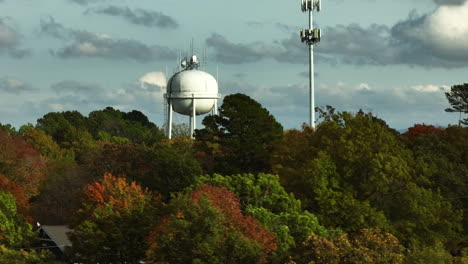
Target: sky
point(395, 58)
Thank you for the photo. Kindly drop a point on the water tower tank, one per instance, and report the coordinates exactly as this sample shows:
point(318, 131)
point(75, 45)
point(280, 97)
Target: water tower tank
point(187, 85)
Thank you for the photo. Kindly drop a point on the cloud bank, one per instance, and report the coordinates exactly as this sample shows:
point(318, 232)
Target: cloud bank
point(137, 17)
point(14, 86)
point(88, 44)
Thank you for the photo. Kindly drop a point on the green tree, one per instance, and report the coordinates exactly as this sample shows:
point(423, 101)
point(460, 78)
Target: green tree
point(60, 125)
point(430, 255)
point(15, 234)
point(8, 128)
point(359, 174)
point(262, 197)
point(139, 117)
point(207, 226)
point(113, 222)
point(458, 99)
point(241, 137)
point(365, 246)
point(12, 256)
point(442, 158)
point(69, 130)
point(165, 167)
point(15, 230)
point(134, 126)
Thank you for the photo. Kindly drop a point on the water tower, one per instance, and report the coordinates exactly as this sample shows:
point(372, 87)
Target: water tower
point(191, 92)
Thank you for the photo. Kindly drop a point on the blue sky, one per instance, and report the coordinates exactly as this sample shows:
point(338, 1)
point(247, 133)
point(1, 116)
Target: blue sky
point(394, 58)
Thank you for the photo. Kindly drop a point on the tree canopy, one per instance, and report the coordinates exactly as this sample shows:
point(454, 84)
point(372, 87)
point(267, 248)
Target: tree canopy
point(241, 137)
point(353, 190)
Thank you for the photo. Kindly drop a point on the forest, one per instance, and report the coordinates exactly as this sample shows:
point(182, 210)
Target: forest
point(245, 190)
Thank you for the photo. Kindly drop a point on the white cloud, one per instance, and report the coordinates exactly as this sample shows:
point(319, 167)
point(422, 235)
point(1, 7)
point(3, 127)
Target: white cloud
point(363, 87)
point(448, 28)
point(14, 86)
point(430, 88)
point(87, 48)
point(153, 78)
point(445, 30)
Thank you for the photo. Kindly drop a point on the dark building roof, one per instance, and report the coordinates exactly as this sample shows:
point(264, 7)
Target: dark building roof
point(57, 234)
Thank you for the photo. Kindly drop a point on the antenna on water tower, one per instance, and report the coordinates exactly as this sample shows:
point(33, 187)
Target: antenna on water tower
point(311, 36)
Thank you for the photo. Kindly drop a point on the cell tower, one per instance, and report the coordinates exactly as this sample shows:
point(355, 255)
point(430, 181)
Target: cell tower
point(311, 36)
point(190, 92)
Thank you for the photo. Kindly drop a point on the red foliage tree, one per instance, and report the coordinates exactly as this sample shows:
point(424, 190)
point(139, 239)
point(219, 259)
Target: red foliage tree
point(422, 129)
point(21, 163)
point(22, 202)
point(228, 203)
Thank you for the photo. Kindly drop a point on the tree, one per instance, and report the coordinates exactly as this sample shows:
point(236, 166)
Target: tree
point(15, 230)
point(458, 99)
point(180, 130)
point(59, 125)
point(263, 197)
point(418, 130)
point(22, 201)
point(59, 196)
point(241, 137)
point(207, 226)
point(113, 222)
point(358, 173)
point(15, 234)
point(8, 128)
point(165, 167)
point(21, 163)
point(139, 117)
point(134, 126)
point(48, 148)
point(12, 256)
point(365, 246)
point(443, 159)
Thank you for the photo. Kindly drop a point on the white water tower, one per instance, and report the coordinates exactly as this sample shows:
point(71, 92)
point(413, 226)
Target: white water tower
point(191, 92)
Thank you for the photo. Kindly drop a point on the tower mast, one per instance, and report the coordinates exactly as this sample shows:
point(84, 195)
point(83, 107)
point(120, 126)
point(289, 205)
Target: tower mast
point(311, 36)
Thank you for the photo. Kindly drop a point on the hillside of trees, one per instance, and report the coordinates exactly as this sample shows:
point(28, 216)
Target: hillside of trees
point(245, 190)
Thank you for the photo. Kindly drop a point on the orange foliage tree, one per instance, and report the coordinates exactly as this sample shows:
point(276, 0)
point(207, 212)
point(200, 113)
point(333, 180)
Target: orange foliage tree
point(208, 226)
point(113, 222)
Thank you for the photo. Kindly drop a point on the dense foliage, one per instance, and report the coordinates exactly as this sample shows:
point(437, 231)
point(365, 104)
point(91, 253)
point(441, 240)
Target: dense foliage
point(112, 223)
point(353, 190)
point(207, 226)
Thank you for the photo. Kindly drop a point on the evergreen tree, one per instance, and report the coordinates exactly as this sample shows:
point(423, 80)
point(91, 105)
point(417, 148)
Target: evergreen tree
point(241, 137)
point(458, 99)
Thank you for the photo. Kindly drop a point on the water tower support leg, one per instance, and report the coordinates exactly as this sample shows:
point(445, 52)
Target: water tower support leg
point(194, 118)
point(169, 119)
point(215, 108)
